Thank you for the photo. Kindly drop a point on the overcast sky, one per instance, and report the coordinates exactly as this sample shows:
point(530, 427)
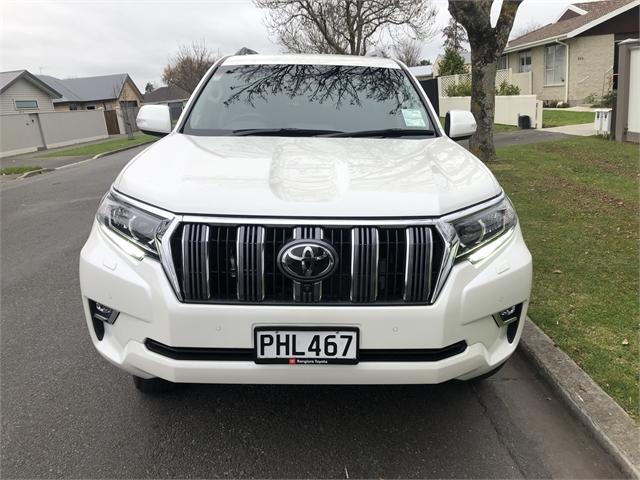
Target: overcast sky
point(73, 38)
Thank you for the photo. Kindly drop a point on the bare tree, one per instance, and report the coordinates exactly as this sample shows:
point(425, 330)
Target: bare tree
point(454, 35)
point(408, 52)
point(527, 28)
point(345, 26)
point(188, 66)
point(487, 44)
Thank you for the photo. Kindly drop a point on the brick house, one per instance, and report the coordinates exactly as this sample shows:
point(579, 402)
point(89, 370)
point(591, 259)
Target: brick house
point(575, 56)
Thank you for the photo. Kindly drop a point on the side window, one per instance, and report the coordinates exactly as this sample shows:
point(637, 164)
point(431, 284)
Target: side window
point(554, 64)
point(26, 104)
point(525, 61)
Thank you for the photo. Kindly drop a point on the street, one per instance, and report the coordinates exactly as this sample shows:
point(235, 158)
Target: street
point(66, 412)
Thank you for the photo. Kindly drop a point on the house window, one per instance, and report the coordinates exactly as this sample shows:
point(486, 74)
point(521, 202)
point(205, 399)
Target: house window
point(91, 107)
point(503, 63)
point(73, 107)
point(554, 64)
point(525, 61)
point(26, 104)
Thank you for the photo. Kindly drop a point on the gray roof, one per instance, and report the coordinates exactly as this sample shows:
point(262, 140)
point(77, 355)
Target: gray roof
point(87, 89)
point(568, 24)
point(422, 70)
point(166, 94)
point(8, 78)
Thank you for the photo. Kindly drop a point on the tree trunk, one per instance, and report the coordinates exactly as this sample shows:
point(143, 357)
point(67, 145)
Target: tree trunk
point(483, 103)
point(487, 44)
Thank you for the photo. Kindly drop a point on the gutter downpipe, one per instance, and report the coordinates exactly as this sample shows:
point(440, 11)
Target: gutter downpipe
point(566, 75)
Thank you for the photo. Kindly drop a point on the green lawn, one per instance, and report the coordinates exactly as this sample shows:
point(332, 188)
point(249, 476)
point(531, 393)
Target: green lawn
point(106, 146)
point(17, 170)
point(577, 201)
point(558, 118)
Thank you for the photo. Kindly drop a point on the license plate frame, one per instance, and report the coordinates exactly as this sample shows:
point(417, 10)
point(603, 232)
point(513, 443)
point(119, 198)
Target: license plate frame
point(295, 360)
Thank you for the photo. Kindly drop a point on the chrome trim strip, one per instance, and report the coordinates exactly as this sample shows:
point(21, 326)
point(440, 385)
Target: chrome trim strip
point(240, 264)
point(250, 286)
point(206, 239)
point(368, 254)
point(142, 205)
point(451, 244)
point(376, 242)
point(328, 222)
point(407, 243)
point(353, 257)
point(166, 257)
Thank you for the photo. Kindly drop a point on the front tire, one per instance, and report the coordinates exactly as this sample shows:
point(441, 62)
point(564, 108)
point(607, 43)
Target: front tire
point(152, 386)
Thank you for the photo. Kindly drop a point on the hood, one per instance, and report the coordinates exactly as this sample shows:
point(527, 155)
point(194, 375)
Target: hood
point(307, 177)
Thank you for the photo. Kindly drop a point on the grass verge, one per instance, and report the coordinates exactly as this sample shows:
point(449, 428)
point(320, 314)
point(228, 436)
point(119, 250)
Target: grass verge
point(577, 201)
point(102, 147)
point(18, 170)
point(558, 118)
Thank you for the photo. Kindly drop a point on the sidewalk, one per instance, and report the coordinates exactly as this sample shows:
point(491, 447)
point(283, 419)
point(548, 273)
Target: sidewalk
point(40, 158)
point(580, 130)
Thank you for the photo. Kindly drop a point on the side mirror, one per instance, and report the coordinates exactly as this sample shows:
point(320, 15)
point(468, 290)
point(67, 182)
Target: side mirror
point(154, 120)
point(459, 124)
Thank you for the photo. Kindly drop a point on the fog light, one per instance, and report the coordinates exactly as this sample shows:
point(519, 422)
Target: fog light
point(508, 315)
point(102, 312)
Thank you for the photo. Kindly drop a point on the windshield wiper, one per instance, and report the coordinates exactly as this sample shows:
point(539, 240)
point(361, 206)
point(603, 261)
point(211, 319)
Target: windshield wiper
point(289, 132)
point(385, 132)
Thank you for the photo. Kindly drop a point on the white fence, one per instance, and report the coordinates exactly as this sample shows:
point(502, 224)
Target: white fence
point(508, 108)
point(522, 80)
point(29, 132)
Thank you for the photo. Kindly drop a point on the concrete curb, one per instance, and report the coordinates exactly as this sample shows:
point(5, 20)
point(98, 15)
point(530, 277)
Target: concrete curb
point(33, 173)
point(610, 425)
point(95, 157)
point(104, 154)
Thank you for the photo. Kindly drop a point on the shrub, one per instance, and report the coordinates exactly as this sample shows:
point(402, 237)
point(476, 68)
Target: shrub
point(609, 99)
point(507, 89)
point(452, 63)
point(462, 89)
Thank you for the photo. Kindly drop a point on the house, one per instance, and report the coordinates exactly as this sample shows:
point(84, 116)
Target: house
point(175, 97)
point(104, 92)
point(463, 54)
point(116, 94)
point(23, 92)
point(575, 57)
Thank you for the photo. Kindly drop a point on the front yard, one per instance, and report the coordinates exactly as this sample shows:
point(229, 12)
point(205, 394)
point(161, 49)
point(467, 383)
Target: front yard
point(577, 201)
point(559, 118)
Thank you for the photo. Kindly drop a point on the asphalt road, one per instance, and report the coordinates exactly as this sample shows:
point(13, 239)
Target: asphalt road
point(67, 413)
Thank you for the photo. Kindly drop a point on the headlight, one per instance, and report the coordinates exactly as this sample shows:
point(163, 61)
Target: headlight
point(136, 225)
point(483, 227)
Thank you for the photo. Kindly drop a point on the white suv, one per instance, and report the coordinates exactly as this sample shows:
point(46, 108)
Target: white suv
point(307, 220)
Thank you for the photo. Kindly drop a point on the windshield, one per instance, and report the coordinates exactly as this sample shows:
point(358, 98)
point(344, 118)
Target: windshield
point(308, 100)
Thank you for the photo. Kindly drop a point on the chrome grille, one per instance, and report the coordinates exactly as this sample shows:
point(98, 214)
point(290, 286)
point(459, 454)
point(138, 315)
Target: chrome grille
point(380, 265)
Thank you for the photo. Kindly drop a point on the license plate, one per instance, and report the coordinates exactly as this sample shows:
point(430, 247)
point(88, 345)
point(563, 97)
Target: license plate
point(306, 346)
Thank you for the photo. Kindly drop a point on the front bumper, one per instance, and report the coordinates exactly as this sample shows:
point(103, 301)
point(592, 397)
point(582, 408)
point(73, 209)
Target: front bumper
point(149, 309)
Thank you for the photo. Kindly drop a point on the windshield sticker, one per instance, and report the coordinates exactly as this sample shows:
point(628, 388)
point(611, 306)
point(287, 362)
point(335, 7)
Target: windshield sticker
point(413, 117)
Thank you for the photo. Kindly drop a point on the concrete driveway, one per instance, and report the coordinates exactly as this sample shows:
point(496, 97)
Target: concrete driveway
point(67, 413)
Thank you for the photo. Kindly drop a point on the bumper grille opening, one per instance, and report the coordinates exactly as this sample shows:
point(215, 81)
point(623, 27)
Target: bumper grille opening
point(246, 354)
point(393, 265)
